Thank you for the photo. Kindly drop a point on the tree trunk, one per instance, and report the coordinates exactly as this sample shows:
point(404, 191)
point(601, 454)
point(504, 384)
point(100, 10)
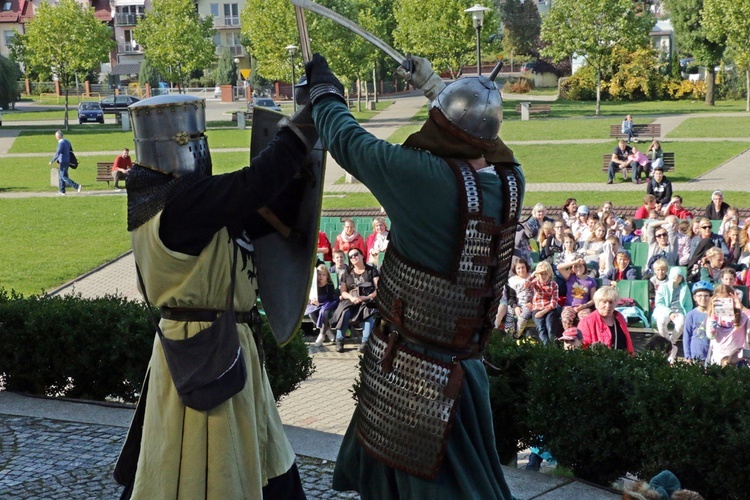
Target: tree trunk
point(747, 90)
point(359, 95)
point(66, 123)
point(374, 83)
point(598, 92)
point(710, 83)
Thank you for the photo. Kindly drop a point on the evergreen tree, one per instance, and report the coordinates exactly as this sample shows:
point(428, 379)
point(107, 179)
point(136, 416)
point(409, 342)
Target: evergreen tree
point(9, 75)
point(226, 70)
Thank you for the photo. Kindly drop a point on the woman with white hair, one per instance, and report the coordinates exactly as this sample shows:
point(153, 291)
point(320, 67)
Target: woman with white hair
point(606, 325)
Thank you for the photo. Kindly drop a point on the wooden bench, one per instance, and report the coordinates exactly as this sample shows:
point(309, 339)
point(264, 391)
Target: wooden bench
point(652, 130)
point(104, 171)
point(536, 108)
point(668, 162)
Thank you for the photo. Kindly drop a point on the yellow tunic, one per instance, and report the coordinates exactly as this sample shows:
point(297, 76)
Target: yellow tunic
point(233, 450)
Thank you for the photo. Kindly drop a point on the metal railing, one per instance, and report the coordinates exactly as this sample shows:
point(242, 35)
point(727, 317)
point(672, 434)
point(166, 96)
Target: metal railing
point(128, 48)
point(127, 19)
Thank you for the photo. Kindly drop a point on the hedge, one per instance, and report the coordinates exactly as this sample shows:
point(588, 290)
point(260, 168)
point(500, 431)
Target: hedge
point(99, 348)
point(603, 414)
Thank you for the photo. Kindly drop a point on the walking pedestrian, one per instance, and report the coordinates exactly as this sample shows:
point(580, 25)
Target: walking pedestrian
point(62, 156)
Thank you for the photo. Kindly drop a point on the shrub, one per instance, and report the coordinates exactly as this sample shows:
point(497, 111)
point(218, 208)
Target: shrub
point(100, 348)
point(520, 86)
point(637, 76)
point(687, 89)
point(581, 86)
point(603, 414)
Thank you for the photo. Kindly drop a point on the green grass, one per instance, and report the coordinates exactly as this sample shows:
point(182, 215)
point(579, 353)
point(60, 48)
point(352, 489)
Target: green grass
point(56, 114)
point(549, 163)
point(713, 126)
point(49, 241)
point(641, 110)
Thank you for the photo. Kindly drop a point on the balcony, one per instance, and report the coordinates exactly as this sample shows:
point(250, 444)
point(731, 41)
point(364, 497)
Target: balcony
point(127, 19)
point(128, 48)
point(226, 22)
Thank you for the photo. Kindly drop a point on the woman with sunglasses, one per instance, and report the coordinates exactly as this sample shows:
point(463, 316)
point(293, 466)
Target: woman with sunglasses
point(708, 240)
point(661, 236)
point(359, 287)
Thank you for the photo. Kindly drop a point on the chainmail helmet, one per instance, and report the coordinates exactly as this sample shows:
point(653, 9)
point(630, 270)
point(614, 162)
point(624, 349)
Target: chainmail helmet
point(470, 108)
point(169, 134)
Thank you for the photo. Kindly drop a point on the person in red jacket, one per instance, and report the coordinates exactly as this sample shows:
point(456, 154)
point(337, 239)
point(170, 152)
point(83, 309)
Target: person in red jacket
point(606, 325)
point(649, 205)
point(675, 208)
point(121, 166)
point(349, 238)
point(324, 246)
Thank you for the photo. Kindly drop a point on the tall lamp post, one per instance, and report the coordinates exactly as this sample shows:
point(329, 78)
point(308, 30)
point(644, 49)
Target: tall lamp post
point(477, 14)
point(237, 70)
point(292, 50)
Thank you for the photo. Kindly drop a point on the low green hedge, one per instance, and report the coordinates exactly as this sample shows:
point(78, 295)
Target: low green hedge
point(99, 348)
point(603, 413)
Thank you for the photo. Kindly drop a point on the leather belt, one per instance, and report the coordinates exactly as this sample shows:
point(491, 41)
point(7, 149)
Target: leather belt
point(206, 315)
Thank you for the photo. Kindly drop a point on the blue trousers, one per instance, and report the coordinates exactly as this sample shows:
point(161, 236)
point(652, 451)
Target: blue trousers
point(366, 326)
point(64, 179)
point(549, 327)
point(614, 167)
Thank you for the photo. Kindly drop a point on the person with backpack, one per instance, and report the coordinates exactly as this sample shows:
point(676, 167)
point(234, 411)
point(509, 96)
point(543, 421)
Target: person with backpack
point(62, 156)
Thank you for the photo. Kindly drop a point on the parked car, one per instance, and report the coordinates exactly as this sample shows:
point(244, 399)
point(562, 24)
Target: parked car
point(117, 102)
point(90, 112)
point(528, 67)
point(267, 103)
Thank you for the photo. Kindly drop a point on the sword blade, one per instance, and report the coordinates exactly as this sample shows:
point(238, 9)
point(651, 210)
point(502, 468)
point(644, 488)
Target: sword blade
point(346, 23)
point(304, 38)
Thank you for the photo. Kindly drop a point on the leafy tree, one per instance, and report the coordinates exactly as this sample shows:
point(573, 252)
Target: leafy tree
point(175, 40)
point(593, 29)
point(226, 70)
point(688, 22)
point(148, 74)
point(441, 31)
point(64, 39)
point(521, 26)
point(9, 75)
point(730, 20)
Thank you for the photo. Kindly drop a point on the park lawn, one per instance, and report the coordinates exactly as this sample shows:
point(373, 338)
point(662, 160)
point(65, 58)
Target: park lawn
point(554, 163)
point(713, 126)
point(49, 241)
point(54, 114)
point(642, 111)
point(544, 129)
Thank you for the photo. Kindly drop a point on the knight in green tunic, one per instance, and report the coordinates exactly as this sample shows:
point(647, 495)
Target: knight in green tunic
point(423, 424)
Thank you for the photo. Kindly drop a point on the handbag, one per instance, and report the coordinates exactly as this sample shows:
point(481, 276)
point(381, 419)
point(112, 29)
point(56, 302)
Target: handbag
point(73, 160)
point(209, 367)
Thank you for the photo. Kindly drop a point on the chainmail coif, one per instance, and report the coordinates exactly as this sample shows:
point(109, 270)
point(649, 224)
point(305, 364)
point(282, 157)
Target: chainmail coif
point(149, 192)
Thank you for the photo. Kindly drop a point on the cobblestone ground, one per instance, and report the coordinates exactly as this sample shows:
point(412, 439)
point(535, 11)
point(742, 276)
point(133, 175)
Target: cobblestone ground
point(52, 459)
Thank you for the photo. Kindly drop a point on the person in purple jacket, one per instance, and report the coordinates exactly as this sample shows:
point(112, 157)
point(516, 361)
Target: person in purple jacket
point(695, 342)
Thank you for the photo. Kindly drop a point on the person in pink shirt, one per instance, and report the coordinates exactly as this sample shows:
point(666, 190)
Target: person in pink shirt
point(606, 325)
point(728, 334)
point(641, 160)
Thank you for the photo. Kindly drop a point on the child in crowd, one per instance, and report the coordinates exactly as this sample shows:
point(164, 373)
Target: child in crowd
point(553, 244)
point(627, 231)
point(607, 258)
point(505, 318)
point(339, 263)
point(675, 208)
point(731, 218)
point(594, 246)
point(727, 331)
point(695, 342)
point(524, 295)
point(622, 270)
point(683, 242)
point(642, 160)
point(729, 278)
point(673, 301)
point(713, 263)
point(323, 299)
point(569, 252)
point(544, 304)
point(571, 337)
point(580, 288)
point(659, 278)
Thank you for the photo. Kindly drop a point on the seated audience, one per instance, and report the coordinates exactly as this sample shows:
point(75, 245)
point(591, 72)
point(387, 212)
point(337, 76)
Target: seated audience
point(731, 219)
point(377, 242)
point(707, 240)
point(727, 333)
point(683, 242)
point(627, 128)
point(673, 302)
point(649, 205)
point(339, 263)
point(641, 161)
point(627, 231)
point(620, 161)
point(121, 167)
point(323, 299)
point(657, 279)
point(622, 270)
point(570, 211)
point(571, 337)
point(607, 258)
point(661, 236)
point(359, 287)
point(661, 188)
point(728, 277)
point(545, 301)
point(733, 241)
point(580, 288)
point(581, 225)
point(675, 208)
point(350, 238)
point(553, 244)
point(594, 246)
point(717, 209)
point(523, 294)
point(695, 342)
point(569, 252)
point(605, 325)
point(655, 156)
point(324, 246)
point(711, 266)
point(529, 230)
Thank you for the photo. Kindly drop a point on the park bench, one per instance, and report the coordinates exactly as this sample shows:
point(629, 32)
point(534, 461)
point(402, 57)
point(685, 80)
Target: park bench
point(104, 171)
point(652, 130)
point(668, 162)
point(536, 108)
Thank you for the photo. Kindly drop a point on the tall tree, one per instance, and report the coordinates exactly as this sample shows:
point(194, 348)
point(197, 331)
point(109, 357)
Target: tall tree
point(687, 19)
point(65, 40)
point(226, 71)
point(175, 40)
point(441, 31)
point(148, 74)
point(593, 29)
point(521, 26)
point(9, 75)
point(730, 20)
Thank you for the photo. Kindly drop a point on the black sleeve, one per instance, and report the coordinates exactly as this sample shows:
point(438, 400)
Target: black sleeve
point(667, 197)
point(650, 187)
point(189, 222)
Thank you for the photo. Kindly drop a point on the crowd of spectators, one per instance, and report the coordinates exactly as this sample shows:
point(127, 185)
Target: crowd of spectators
point(565, 273)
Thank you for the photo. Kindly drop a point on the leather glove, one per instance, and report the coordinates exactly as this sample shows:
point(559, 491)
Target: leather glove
point(321, 79)
point(418, 72)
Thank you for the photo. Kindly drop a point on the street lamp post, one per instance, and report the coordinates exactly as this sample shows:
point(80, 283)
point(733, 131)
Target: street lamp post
point(237, 70)
point(477, 14)
point(292, 50)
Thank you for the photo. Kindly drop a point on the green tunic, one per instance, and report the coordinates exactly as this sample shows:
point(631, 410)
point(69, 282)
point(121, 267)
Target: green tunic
point(420, 194)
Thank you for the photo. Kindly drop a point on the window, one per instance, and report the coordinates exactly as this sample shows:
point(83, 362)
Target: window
point(215, 10)
point(6, 6)
point(8, 37)
point(217, 40)
point(231, 14)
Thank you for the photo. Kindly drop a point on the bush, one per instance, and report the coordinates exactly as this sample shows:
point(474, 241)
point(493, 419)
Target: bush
point(686, 89)
point(581, 86)
point(603, 414)
point(99, 348)
point(637, 77)
point(520, 86)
